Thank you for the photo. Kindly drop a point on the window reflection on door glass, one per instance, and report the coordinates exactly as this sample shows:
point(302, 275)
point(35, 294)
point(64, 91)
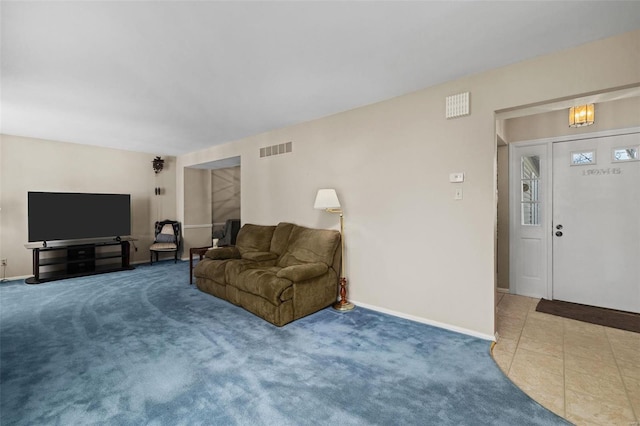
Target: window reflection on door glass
point(531, 213)
point(531, 167)
point(530, 189)
point(625, 154)
point(583, 158)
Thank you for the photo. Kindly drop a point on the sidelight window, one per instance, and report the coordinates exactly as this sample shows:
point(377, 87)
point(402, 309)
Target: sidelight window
point(530, 190)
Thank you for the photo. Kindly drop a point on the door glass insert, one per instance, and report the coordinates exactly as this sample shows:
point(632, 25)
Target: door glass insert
point(583, 158)
point(625, 154)
point(530, 190)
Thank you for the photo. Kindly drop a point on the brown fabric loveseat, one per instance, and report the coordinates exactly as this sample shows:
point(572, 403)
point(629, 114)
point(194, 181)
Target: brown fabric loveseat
point(279, 273)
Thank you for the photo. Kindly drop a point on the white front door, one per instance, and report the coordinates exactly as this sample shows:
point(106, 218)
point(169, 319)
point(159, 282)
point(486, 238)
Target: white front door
point(596, 222)
point(528, 177)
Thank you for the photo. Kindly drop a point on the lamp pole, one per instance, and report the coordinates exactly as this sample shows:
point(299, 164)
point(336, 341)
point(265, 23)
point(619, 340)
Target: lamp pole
point(343, 304)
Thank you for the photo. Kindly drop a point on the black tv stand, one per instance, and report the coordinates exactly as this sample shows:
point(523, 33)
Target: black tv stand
point(60, 262)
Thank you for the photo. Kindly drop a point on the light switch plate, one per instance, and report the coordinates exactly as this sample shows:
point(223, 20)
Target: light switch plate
point(456, 177)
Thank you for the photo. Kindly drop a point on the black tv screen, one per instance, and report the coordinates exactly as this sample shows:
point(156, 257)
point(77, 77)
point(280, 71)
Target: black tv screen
point(69, 215)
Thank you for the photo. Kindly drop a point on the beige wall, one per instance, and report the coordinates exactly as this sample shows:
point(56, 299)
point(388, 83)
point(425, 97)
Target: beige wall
point(618, 114)
point(197, 212)
point(411, 248)
point(39, 165)
point(225, 194)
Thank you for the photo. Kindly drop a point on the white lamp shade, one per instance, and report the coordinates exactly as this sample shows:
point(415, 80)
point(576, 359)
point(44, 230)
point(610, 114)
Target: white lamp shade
point(326, 199)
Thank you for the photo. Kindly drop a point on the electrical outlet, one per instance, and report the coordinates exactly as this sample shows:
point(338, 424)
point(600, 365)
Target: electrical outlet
point(3, 262)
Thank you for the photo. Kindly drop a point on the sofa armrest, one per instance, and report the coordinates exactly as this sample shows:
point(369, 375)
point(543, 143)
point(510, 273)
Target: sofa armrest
point(303, 272)
point(260, 256)
point(221, 253)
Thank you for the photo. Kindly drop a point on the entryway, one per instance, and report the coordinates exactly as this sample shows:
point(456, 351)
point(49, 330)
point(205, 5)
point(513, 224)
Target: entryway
point(583, 372)
point(575, 219)
point(596, 222)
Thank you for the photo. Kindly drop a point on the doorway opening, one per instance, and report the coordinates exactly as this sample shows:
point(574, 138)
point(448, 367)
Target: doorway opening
point(525, 266)
point(212, 199)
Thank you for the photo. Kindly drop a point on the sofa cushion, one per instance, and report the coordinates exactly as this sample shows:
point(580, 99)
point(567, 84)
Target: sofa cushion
point(254, 238)
point(280, 238)
point(310, 246)
point(265, 283)
point(260, 256)
point(236, 266)
point(304, 272)
point(212, 269)
point(223, 253)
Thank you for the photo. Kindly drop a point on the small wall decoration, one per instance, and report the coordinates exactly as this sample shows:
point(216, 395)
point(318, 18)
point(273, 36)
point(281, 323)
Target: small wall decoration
point(158, 164)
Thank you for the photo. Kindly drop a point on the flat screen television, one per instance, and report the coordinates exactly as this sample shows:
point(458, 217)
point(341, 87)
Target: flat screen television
point(71, 215)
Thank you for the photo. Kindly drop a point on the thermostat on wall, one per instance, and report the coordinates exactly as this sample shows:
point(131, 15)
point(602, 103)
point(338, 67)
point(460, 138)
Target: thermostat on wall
point(456, 177)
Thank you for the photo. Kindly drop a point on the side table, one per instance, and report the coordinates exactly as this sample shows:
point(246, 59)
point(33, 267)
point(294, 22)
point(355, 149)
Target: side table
point(200, 251)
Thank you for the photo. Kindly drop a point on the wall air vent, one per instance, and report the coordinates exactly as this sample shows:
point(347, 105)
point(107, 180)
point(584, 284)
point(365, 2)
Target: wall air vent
point(457, 105)
point(282, 148)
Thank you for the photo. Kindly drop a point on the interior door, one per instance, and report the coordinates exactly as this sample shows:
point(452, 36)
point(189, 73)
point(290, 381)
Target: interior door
point(596, 222)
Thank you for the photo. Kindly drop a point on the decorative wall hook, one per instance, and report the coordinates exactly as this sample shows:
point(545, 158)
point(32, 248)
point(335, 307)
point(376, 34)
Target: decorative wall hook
point(158, 164)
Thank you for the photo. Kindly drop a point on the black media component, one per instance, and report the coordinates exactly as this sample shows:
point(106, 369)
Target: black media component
point(56, 263)
point(81, 259)
point(69, 215)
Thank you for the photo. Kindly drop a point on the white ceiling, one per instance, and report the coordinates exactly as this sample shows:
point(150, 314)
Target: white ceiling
point(174, 77)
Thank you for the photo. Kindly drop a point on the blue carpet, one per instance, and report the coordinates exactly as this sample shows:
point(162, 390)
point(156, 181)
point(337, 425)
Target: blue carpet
point(144, 347)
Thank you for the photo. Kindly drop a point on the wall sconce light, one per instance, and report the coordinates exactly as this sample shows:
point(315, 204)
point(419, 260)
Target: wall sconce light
point(327, 200)
point(583, 115)
point(158, 164)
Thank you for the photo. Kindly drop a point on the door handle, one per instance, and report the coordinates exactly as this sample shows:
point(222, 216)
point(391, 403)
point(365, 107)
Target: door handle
point(558, 233)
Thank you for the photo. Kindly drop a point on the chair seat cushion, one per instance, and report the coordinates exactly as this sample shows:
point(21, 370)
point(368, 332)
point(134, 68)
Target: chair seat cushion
point(166, 238)
point(163, 247)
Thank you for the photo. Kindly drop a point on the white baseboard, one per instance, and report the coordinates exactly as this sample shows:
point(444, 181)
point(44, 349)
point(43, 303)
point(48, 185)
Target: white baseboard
point(502, 290)
point(20, 277)
point(427, 321)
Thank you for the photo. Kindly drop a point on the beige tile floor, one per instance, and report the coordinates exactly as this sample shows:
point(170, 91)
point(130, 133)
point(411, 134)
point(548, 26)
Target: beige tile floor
point(586, 373)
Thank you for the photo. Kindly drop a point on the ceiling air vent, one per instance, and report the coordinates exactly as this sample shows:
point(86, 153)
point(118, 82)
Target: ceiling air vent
point(457, 105)
point(282, 148)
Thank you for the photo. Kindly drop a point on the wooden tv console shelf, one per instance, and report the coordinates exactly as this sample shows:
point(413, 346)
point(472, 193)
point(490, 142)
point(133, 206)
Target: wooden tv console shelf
point(57, 263)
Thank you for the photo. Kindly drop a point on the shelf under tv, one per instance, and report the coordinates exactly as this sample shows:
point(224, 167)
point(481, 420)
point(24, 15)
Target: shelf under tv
point(78, 260)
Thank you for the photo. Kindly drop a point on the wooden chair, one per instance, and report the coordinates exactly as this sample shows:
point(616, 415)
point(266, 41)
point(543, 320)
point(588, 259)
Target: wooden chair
point(167, 239)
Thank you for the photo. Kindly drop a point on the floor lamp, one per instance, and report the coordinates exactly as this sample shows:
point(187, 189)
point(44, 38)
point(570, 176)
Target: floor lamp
point(327, 200)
